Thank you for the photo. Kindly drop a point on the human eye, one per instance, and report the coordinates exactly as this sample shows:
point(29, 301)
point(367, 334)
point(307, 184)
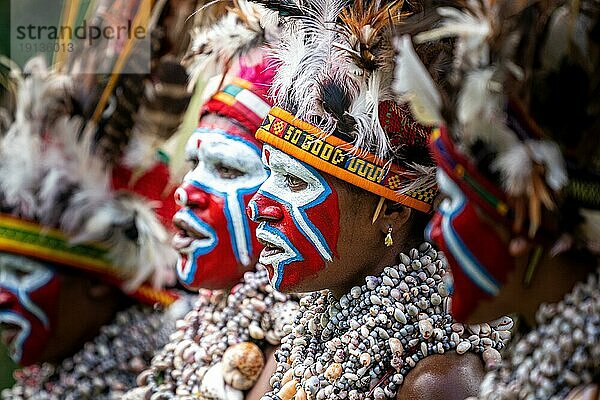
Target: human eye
point(294, 183)
point(192, 162)
point(227, 172)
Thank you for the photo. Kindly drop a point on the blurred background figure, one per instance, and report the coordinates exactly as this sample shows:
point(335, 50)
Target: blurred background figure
point(86, 200)
point(221, 347)
point(519, 162)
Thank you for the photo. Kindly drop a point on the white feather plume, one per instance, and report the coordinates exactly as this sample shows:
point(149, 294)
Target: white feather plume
point(238, 32)
point(49, 174)
point(516, 166)
point(40, 101)
point(472, 27)
point(365, 111)
point(414, 84)
point(299, 84)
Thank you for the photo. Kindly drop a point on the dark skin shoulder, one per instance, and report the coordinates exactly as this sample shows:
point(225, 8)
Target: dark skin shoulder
point(444, 377)
point(262, 384)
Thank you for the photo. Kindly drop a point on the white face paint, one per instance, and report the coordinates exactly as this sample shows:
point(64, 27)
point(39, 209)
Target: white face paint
point(294, 188)
point(227, 173)
point(278, 186)
point(21, 278)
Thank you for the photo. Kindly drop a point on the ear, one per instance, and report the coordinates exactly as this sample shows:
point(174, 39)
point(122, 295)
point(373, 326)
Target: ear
point(393, 216)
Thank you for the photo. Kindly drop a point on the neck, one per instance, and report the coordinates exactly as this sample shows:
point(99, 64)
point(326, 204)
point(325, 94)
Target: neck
point(389, 257)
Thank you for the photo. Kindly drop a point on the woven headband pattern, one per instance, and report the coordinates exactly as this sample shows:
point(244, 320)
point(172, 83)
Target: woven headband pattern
point(29, 239)
point(239, 100)
point(331, 155)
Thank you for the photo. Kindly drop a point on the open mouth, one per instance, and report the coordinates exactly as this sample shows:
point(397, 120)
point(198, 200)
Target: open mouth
point(190, 235)
point(274, 246)
point(270, 249)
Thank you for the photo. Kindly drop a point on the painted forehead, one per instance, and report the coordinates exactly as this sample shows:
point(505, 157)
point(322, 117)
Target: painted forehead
point(23, 273)
point(282, 163)
point(215, 143)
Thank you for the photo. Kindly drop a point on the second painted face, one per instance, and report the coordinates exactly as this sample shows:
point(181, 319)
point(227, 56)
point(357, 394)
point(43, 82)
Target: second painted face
point(29, 295)
point(476, 252)
point(216, 242)
point(298, 213)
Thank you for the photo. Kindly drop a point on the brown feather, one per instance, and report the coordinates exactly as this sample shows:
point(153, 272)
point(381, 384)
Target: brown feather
point(366, 24)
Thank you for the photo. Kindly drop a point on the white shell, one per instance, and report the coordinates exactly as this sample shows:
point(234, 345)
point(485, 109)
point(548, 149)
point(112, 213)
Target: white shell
point(463, 347)
point(213, 385)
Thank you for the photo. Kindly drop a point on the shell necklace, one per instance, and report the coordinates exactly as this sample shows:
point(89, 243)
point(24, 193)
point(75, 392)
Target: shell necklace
point(216, 351)
point(561, 353)
point(104, 368)
point(363, 346)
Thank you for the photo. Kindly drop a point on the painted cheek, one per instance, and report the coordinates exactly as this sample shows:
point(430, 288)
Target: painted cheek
point(323, 218)
point(45, 299)
point(220, 268)
point(216, 268)
point(478, 258)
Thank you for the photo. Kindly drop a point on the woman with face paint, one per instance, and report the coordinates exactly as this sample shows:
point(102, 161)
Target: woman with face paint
point(83, 228)
point(220, 348)
point(518, 157)
point(343, 209)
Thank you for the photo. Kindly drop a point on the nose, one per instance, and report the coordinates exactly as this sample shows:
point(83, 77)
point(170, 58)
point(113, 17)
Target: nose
point(261, 208)
point(190, 196)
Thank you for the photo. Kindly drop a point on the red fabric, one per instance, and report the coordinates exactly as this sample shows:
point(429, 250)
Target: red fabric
point(153, 185)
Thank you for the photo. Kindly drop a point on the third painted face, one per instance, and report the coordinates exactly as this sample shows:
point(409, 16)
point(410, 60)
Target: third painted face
point(29, 293)
point(477, 254)
point(216, 242)
point(299, 220)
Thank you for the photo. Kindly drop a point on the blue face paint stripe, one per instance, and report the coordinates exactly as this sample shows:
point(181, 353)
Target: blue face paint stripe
point(281, 265)
point(23, 293)
point(300, 228)
point(253, 210)
point(469, 263)
point(22, 336)
point(230, 227)
point(200, 251)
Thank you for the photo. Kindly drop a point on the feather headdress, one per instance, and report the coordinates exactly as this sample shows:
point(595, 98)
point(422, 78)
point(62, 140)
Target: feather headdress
point(523, 105)
point(238, 35)
point(80, 169)
point(52, 175)
point(335, 63)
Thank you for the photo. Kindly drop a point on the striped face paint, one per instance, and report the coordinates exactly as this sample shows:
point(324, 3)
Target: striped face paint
point(477, 254)
point(216, 241)
point(29, 293)
point(299, 219)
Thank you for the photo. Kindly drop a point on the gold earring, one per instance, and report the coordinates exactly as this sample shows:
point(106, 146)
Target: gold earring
point(388, 238)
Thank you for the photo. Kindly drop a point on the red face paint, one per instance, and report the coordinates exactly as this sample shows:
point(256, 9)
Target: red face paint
point(216, 241)
point(299, 215)
point(477, 255)
point(29, 293)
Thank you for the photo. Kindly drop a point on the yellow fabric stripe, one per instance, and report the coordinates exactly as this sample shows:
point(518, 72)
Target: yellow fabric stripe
point(225, 98)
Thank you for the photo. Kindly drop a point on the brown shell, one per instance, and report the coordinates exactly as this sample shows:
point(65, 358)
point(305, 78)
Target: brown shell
point(242, 365)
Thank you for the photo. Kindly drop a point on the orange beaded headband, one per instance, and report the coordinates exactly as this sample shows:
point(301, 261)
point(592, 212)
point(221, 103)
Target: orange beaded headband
point(332, 155)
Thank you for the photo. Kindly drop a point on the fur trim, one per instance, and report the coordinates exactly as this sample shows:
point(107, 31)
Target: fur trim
point(49, 173)
point(243, 29)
